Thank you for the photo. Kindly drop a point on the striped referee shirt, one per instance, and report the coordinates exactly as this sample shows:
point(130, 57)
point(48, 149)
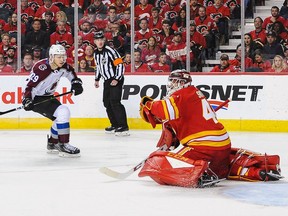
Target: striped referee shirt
point(109, 64)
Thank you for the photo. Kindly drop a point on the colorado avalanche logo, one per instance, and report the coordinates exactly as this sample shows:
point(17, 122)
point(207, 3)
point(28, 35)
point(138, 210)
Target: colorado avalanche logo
point(201, 28)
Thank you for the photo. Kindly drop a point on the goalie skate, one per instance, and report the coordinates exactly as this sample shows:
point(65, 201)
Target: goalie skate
point(208, 181)
point(67, 150)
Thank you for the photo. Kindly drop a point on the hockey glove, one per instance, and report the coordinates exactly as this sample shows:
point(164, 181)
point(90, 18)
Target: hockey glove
point(76, 86)
point(28, 104)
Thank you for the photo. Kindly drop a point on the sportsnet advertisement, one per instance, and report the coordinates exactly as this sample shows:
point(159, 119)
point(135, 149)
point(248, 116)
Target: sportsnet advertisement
point(262, 99)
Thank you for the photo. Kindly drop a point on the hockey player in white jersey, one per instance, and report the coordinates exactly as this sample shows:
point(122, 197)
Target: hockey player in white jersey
point(42, 84)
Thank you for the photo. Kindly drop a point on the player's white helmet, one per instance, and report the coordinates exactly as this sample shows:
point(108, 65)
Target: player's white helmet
point(178, 79)
point(57, 49)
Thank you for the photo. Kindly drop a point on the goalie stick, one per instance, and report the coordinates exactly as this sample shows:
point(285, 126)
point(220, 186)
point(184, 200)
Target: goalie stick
point(21, 107)
point(124, 175)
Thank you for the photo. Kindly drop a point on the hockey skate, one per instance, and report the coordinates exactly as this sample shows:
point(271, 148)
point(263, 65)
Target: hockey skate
point(67, 150)
point(122, 131)
point(110, 130)
point(51, 147)
point(207, 180)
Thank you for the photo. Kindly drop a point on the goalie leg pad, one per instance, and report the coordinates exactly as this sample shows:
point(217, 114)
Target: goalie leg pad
point(168, 168)
point(251, 166)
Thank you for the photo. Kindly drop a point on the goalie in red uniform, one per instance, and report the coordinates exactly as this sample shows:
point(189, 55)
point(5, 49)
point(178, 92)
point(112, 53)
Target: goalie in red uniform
point(205, 158)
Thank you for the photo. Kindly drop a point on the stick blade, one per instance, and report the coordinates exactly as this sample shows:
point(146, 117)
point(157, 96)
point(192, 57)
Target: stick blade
point(114, 174)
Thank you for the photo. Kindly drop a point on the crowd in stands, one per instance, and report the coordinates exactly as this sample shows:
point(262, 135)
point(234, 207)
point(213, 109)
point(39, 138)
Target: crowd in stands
point(160, 34)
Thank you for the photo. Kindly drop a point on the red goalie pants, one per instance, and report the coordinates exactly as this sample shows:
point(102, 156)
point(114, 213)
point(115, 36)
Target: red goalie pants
point(219, 159)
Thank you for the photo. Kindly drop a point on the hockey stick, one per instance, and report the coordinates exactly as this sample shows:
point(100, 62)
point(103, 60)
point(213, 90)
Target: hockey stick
point(51, 98)
point(222, 104)
point(124, 175)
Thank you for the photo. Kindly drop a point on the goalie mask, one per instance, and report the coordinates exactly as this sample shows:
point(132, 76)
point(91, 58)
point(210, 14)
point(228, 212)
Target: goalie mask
point(57, 55)
point(178, 79)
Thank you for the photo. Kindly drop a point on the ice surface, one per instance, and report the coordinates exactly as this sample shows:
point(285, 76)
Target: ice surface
point(34, 183)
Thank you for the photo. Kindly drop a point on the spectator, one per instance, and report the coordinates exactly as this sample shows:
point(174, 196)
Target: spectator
point(151, 52)
point(89, 56)
point(258, 35)
point(104, 25)
point(84, 67)
point(162, 65)
point(278, 65)
point(165, 35)
point(120, 7)
point(208, 28)
point(36, 53)
point(170, 10)
point(47, 24)
point(47, 6)
point(220, 14)
point(250, 45)
point(27, 13)
point(11, 26)
point(36, 37)
point(127, 62)
point(224, 65)
point(114, 38)
point(177, 52)
point(140, 66)
point(142, 10)
point(236, 62)
point(11, 57)
point(275, 16)
point(4, 68)
point(180, 21)
point(27, 63)
point(272, 48)
point(86, 33)
point(141, 36)
point(155, 20)
point(284, 10)
point(2, 24)
point(81, 49)
point(5, 43)
point(194, 9)
point(259, 63)
point(61, 16)
point(100, 9)
point(197, 45)
point(125, 23)
point(281, 33)
point(61, 36)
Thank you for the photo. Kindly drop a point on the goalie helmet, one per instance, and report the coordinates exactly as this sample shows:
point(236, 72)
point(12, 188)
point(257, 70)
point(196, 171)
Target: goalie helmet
point(178, 79)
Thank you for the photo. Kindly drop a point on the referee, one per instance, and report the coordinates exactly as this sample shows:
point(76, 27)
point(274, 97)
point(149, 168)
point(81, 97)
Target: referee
point(109, 66)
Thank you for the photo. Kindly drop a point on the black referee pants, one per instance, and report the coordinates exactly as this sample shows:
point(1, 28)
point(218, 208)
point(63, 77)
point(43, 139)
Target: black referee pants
point(112, 102)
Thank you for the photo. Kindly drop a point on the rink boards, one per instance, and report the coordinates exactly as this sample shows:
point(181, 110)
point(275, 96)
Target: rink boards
point(259, 101)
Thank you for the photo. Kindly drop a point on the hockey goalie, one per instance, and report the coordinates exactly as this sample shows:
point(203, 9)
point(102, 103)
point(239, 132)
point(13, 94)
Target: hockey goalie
point(206, 156)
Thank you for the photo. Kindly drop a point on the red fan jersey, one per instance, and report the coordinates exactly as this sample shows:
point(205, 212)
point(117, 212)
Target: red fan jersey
point(214, 12)
point(65, 39)
point(40, 13)
point(208, 24)
point(156, 67)
point(177, 50)
point(259, 36)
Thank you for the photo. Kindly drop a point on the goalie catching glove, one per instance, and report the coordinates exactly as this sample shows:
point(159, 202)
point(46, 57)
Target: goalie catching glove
point(28, 104)
point(145, 111)
point(76, 86)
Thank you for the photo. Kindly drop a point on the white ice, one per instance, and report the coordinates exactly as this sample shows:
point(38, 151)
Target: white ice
point(34, 183)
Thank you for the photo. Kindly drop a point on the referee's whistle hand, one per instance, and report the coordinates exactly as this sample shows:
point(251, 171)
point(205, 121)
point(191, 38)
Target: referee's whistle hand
point(96, 84)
